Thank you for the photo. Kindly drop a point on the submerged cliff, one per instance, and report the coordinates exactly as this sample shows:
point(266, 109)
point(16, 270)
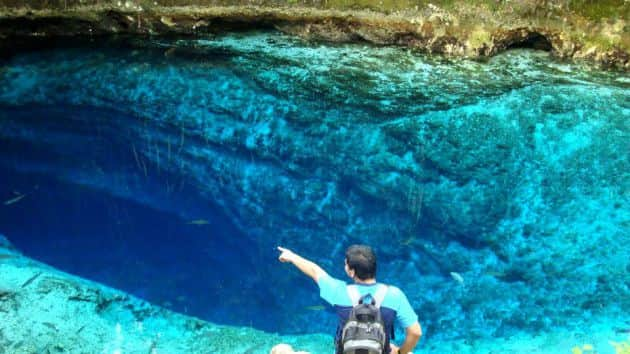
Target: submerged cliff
point(595, 31)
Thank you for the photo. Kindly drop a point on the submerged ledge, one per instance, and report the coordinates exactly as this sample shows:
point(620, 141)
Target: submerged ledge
point(45, 310)
point(473, 31)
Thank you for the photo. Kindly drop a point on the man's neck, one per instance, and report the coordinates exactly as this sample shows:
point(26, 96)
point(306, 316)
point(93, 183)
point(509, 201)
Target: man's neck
point(366, 281)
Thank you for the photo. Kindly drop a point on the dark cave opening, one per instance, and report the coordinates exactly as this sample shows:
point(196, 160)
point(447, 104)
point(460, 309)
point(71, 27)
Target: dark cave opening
point(533, 40)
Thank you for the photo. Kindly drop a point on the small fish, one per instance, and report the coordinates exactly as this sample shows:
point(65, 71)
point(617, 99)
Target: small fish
point(408, 241)
point(315, 308)
point(198, 222)
point(31, 279)
point(50, 325)
point(457, 277)
point(14, 200)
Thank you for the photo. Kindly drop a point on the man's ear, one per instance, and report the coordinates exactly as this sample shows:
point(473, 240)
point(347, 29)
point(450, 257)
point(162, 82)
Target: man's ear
point(351, 273)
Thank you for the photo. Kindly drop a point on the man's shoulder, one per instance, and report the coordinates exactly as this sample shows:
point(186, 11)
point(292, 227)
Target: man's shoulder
point(392, 289)
point(394, 292)
point(332, 290)
point(330, 283)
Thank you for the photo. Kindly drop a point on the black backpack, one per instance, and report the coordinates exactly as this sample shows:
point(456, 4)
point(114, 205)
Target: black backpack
point(364, 332)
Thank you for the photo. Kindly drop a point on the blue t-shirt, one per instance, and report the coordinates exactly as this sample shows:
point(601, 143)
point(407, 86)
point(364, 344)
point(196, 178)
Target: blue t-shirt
point(395, 305)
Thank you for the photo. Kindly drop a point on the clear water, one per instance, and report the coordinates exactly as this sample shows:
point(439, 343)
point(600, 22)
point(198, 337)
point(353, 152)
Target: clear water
point(172, 168)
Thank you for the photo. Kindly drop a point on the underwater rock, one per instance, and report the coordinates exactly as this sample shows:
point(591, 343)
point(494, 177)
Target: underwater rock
point(45, 310)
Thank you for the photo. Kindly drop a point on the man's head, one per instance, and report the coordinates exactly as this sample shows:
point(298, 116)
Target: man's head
point(360, 262)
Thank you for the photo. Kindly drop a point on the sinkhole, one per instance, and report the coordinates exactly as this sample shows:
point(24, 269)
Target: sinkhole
point(172, 169)
point(89, 205)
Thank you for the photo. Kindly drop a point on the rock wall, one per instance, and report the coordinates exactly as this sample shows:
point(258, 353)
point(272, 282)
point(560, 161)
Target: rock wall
point(577, 30)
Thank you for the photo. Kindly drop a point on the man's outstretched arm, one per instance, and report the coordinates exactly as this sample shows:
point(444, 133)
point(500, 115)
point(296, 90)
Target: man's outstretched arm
point(307, 267)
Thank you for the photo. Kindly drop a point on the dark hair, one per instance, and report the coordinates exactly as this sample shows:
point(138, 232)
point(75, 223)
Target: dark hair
point(362, 260)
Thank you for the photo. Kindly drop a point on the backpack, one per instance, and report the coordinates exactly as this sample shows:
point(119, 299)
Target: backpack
point(364, 332)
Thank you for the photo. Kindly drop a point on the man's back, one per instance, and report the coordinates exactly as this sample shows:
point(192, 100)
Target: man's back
point(394, 308)
point(360, 266)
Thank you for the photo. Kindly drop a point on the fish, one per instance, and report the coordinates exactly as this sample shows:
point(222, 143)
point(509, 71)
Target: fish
point(457, 277)
point(315, 308)
point(198, 222)
point(408, 241)
point(31, 279)
point(50, 325)
point(495, 274)
point(14, 200)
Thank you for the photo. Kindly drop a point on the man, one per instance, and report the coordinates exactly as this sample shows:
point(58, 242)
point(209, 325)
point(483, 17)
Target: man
point(360, 266)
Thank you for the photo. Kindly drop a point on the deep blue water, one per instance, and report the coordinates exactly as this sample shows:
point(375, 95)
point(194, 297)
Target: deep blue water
point(172, 169)
point(194, 266)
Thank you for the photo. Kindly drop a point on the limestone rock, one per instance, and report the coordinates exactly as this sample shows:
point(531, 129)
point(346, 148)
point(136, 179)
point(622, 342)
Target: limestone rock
point(470, 29)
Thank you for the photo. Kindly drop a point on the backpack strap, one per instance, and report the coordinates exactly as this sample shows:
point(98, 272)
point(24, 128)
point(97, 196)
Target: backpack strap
point(355, 296)
point(353, 293)
point(379, 296)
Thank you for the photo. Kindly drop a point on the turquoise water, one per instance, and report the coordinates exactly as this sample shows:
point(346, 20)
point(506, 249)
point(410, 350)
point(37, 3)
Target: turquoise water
point(171, 168)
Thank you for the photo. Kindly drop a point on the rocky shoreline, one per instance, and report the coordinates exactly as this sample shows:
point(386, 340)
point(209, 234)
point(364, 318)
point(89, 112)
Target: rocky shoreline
point(474, 32)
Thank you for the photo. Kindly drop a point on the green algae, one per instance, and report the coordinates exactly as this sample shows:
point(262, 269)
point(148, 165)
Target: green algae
point(601, 9)
point(593, 10)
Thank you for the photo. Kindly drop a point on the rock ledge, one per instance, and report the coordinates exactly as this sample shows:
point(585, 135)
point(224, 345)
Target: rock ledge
point(431, 29)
